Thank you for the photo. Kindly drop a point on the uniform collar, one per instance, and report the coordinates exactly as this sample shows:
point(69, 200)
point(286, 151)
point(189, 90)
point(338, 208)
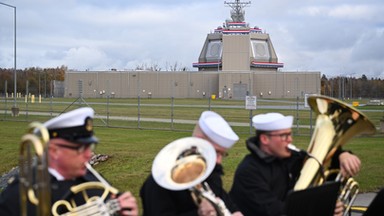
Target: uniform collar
point(56, 174)
point(253, 146)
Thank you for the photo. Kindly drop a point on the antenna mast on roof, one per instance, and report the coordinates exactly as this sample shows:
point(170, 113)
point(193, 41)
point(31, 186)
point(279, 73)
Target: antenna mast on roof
point(237, 12)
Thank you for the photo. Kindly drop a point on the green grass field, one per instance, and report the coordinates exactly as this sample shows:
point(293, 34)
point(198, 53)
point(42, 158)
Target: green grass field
point(132, 146)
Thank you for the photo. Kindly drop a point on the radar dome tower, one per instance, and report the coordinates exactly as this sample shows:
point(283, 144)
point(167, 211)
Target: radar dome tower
point(237, 47)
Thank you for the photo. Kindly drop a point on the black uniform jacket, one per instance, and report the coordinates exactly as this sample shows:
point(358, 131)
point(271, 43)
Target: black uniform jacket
point(376, 206)
point(10, 196)
point(158, 201)
point(261, 182)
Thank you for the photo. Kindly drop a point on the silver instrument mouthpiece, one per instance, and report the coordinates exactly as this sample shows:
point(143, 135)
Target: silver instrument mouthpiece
point(293, 148)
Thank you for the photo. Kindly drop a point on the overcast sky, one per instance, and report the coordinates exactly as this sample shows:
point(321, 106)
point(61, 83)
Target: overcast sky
point(331, 36)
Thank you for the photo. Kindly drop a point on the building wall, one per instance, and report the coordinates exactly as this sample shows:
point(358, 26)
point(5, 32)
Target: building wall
point(286, 84)
point(190, 84)
point(236, 53)
point(128, 84)
point(270, 84)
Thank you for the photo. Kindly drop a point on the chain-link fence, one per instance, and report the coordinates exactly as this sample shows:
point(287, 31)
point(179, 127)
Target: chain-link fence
point(168, 113)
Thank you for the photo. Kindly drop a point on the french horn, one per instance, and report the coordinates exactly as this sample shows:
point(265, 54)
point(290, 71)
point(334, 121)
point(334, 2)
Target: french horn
point(336, 123)
point(185, 164)
point(95, 205)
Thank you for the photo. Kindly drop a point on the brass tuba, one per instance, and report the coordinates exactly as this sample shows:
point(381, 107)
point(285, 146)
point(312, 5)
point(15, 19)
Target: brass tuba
point(33, 163)
point(185, 164)
point(336, 123)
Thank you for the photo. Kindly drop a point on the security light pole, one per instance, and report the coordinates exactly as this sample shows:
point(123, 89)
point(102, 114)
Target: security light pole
point(14, 108)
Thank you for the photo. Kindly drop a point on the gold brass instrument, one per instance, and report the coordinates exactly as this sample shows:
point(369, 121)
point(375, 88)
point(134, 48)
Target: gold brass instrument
point(336, 123)
point(33, 156)
point(96, 205)
point(185, 164)
point(35, 185)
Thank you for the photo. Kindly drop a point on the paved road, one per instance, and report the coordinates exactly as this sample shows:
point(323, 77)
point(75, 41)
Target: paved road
point(126, 118)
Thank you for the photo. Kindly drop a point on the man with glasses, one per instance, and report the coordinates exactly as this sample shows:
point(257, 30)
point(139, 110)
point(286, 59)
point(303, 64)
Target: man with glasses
point(266, 175)
point(70, 146)
point(160, 201)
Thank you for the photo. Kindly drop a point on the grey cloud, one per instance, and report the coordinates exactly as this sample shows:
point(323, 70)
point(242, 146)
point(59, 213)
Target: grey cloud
point(369, 47)
point(327, 36)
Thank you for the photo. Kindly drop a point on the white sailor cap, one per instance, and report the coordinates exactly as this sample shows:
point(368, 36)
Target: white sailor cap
point(75, 126)
point(272, 122)
point(217, 129)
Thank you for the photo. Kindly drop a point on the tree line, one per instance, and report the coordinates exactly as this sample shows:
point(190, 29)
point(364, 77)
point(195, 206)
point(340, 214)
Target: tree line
point(39, 80)
point(351, 87)
point(40, 83)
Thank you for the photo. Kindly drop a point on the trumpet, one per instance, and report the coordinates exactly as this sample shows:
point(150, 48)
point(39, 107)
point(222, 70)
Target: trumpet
point(204, 191)
point(348, 193)
point(336, 123)
point(185, 164)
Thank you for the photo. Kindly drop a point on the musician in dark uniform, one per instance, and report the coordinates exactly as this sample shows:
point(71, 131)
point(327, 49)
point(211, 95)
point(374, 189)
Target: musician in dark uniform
point(265, 176)
point(159, 201)
point(71, 141)
point(376, 206)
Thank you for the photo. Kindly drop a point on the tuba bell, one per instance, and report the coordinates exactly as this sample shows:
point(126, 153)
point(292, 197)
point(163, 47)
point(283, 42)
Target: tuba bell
point(185, 164)
point(336, 123)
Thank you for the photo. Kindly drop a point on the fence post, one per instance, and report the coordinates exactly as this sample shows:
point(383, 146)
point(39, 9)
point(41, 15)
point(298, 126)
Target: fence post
point(172, 114)
point(138, 111)
point(250, 121)
point(310, 122)
point(50, 106)
point(26, 98)
point(297, 115)
point(209, 103)
point(108, 110)
point(6, 98)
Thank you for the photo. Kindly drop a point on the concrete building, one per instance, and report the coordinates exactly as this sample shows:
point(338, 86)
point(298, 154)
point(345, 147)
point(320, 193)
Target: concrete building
point(236, 60)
